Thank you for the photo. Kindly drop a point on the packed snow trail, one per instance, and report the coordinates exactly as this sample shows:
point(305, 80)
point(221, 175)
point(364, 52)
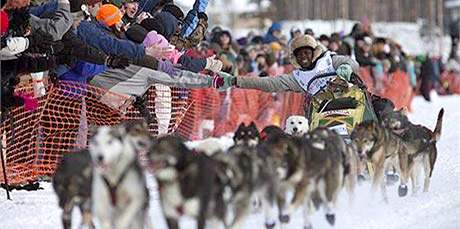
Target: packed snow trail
point(437, 209)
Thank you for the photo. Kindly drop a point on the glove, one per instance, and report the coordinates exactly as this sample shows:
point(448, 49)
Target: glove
point(16, 45)
point(159, 52)
point(167, 67)
point(117, 62)
point(223, 81)
point(344, 71)
point(213, 64)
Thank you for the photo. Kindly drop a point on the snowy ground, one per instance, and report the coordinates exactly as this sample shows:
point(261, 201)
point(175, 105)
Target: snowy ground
point(438, 209)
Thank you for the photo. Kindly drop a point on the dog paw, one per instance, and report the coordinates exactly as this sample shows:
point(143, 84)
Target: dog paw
point(402, 190)
point(330, 218)
point(284, 218)
point(392, 178)
point(270, 225)
point(361, 178)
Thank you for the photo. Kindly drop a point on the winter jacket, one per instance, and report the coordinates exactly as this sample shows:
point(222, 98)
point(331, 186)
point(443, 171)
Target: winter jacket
point(169, 22)
point(45, 8)
point(98, 35)
point(74, 48)
point(191, 20)
point(287, 82)
point(83, 72)
point(58, 24)
point(269, 38)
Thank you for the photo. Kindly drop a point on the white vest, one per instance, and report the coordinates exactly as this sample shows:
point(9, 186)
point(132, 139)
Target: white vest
point(323, 65)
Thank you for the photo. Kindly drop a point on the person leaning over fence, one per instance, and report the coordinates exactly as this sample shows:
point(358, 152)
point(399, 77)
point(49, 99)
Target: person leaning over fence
point(310, 59)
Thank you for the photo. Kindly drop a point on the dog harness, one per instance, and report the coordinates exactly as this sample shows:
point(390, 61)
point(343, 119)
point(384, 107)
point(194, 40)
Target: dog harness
point(113, 188)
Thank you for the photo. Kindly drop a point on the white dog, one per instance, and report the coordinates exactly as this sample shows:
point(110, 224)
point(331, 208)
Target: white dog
point(296, 125)
point(119, 191)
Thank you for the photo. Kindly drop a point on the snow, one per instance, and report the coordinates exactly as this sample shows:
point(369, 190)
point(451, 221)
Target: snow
point(437, 209)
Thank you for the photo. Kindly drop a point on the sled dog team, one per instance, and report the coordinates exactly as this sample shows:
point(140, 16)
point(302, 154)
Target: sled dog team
point(222, 188)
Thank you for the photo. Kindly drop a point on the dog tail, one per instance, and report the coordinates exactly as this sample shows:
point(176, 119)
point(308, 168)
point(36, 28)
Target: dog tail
point(437, 130)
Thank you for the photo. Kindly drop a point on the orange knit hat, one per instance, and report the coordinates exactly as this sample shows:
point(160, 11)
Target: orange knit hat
point(109, 14)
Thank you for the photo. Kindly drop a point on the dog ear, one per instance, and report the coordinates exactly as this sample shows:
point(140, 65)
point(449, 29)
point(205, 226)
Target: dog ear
point(242, 124)
point(253, 125)
point(92, 130)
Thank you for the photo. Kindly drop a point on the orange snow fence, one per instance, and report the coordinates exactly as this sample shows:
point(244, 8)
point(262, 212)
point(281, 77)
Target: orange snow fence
point(34, 141)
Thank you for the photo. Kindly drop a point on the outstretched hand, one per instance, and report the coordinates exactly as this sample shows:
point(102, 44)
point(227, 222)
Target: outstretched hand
point(223, 81)
point(159, 52)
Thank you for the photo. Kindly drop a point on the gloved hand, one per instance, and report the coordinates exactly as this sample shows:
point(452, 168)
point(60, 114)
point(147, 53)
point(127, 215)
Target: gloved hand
point(344, 71)
point(223, 81)
point(117, 62)
point(16, 45)
point(159, 52)
point(167, 67)
point(213, 64)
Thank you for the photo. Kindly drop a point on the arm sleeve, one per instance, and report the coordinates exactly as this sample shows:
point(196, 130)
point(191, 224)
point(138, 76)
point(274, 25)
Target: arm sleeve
point(93, 36)
point(338, 60)
point(83, 51)
point(193, 65)
point(270, 84)
point(57, 25)
point(191, 20)
point(185, 79)
point(47, 7)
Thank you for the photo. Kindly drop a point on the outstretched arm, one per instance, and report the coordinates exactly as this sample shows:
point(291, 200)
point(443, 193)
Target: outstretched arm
point(280, 83)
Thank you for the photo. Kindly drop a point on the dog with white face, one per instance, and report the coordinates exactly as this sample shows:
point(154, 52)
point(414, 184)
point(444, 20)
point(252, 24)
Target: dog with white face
point(296, 125)
point(119, 191)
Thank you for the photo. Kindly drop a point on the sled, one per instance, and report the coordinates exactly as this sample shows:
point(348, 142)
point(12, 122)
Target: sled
point(339, 106)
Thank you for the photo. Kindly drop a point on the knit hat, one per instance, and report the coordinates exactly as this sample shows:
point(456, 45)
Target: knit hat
point(136, 33)
point(4, 22)
point(174, 10)
point(306, 41)
point(153, 38)
point(109, 14)
point(275, 46)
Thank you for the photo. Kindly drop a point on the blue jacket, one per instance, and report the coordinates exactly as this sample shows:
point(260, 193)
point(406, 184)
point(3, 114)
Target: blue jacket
point(98, 35)
point(169, 22)
point(191, 20)
point(47, 7)
point(269, 38)
point(83, 72)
